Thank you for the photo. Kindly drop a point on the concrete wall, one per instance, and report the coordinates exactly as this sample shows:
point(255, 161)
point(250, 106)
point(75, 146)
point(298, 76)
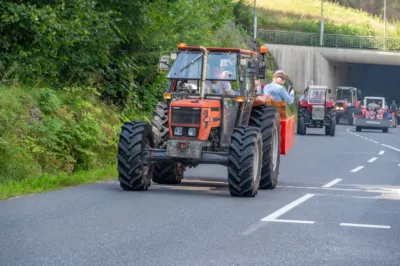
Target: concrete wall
point(326, 66)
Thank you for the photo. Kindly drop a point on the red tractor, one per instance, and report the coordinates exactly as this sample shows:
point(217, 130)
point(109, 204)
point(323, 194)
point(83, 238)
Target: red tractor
point(316, 111)
point(209, 116)
point(346, 103)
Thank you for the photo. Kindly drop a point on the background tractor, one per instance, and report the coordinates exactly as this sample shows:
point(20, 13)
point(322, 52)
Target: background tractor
point(346, 102)
point(194, 126)
point(316, 111)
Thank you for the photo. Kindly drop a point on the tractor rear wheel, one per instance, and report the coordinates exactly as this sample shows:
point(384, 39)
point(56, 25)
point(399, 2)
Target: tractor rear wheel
point(164, 172)
point(244, 162)
point(268, 120)
point(133, 172)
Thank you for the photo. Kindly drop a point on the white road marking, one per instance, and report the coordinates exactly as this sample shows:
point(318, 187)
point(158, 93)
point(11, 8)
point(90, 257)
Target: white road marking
point(366, 225)
point(337, 180)
point(399, 164)
point(323, 188)
point(376, 142)
point(357, 169)
point(372, 159)
point(381, 152)
point(286, 208)
point(390, 147)
point(291, 221)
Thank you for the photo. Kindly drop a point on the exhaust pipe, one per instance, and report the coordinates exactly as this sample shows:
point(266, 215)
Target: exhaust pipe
point(203, 72)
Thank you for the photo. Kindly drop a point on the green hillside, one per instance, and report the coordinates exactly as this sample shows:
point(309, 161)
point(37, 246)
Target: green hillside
point(304, 15)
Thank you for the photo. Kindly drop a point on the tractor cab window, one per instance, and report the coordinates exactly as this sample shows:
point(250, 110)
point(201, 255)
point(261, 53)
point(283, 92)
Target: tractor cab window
point(344, 95)
point(316, 96)
point(188, 66)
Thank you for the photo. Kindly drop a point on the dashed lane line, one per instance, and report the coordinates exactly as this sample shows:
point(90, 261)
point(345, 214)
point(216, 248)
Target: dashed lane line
point(372, 159)
point(357, 169)
point(381, 152)
point(374, 141)
point(390, 147)
point(334, 182)
point(366, 225)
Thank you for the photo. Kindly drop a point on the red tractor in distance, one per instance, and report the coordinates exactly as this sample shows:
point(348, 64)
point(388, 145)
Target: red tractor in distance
point(346, 103)
point(316, 111)
point(210, 115)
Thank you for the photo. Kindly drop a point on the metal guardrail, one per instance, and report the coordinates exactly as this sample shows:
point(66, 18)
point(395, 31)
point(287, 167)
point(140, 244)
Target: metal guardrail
point(330, 40)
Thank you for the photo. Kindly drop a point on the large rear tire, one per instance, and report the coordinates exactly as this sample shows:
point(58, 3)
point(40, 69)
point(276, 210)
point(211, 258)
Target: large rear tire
point(267, 119)
point(244, 162)
point(133, 172)
point(164, 172)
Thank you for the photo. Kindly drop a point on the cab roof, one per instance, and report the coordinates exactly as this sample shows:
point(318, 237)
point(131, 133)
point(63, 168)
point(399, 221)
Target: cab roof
point(219, 49)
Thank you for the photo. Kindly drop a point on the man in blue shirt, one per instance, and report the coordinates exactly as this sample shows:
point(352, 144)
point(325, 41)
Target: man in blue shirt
point(277, 90)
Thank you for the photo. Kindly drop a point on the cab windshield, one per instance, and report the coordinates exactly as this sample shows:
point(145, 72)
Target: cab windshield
point(316, 96)
point(344, 95)
point(188, 65)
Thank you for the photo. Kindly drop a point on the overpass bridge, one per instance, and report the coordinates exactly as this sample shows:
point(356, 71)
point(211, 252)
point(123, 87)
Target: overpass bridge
point(368, 63)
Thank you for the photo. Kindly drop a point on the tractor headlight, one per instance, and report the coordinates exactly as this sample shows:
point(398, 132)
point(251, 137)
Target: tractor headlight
point(192, 132)
point(178, 131)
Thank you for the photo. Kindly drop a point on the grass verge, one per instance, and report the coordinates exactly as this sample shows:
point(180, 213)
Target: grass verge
point(304, 16)
point(45, 183)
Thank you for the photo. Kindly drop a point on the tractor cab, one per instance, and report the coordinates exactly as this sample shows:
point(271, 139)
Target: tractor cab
point(317, 111)
point(209, 88)
point(346, 101)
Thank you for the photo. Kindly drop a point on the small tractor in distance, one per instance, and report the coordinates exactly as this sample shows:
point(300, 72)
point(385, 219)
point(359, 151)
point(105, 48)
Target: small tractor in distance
point(316, 111)
point(194, 126)
point(346, 103)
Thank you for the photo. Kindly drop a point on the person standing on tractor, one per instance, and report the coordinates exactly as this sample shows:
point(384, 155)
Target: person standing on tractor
point(277, 90)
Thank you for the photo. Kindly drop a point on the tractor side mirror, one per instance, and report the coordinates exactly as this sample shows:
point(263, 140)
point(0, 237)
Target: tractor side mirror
point(163, 63)
point(262, 69)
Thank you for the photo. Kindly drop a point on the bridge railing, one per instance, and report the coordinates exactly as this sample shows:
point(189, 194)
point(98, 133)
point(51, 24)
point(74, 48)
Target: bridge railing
point(329, 40)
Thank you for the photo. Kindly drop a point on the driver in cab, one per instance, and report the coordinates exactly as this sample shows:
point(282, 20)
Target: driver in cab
point(218, 86)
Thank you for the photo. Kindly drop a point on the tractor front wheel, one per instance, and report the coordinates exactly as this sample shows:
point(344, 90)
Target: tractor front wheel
point(164, 172)
point(268, 120)
point(301, 126)
point(133, 172)
point(244, 162)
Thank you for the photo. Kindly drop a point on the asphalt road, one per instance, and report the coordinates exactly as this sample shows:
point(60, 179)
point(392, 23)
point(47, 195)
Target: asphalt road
point(337, 203)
